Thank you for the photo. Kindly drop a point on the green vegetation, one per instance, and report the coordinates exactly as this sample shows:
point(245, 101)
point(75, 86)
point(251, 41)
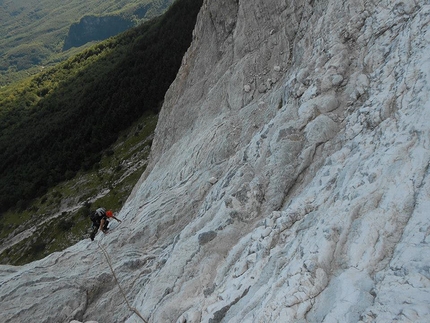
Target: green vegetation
point(60, 217)
point(59, 123)
point(32, 32)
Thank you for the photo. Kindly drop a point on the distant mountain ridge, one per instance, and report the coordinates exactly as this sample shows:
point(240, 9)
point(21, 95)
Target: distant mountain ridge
point(92, 28)
point(33, 33)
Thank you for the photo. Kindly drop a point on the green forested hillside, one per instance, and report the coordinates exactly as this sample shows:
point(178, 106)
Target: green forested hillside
point(59, 218)
point(33, 32)
point(59, 122)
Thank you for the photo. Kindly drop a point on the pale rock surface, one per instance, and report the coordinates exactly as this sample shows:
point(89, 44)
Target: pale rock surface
point(288, 182)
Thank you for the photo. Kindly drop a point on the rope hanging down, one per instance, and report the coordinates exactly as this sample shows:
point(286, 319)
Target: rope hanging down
point(133, 309)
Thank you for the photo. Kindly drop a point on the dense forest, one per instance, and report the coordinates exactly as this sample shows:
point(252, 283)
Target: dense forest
point(60, 121)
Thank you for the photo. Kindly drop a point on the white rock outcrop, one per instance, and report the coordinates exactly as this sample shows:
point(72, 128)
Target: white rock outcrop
point(288, 182)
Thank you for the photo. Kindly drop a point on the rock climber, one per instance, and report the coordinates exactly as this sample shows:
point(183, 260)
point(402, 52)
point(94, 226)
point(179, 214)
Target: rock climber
point(100, 221)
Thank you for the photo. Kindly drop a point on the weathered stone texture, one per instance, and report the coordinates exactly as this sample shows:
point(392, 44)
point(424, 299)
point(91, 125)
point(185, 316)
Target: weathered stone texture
point(288, 179)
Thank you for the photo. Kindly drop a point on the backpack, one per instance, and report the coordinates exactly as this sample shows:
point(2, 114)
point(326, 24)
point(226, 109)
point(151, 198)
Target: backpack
point(97, 215)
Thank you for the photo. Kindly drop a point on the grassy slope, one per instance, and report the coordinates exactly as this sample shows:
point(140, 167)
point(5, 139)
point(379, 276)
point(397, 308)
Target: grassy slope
point(60, 217)
point(32, 32)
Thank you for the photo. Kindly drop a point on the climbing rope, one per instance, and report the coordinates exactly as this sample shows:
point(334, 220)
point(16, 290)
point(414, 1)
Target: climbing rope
point(133, 309)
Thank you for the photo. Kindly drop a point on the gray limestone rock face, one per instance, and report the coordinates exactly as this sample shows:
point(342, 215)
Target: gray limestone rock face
point(288, 181)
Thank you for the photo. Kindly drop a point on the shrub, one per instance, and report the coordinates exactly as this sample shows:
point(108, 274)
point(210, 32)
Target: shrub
point(65, 225)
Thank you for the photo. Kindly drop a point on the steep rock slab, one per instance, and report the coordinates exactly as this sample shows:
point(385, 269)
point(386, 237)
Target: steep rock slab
point(288, 180)
point(315, 166)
